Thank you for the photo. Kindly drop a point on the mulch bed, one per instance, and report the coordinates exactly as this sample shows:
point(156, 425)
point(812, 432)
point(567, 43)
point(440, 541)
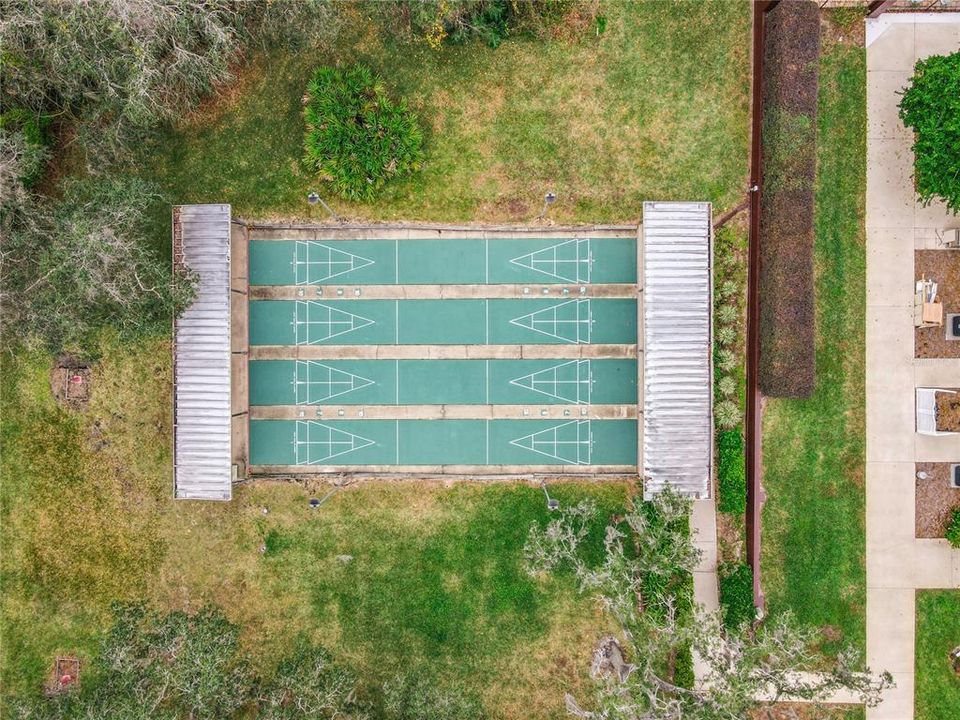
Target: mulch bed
point(935, 500)
point(800, 711)
point(948, 411)
point(943, 267)
point(787, 313)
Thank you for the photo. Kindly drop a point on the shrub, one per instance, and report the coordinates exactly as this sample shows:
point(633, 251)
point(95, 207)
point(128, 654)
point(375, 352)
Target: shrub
point(491, 21)
point(419, 697)
point(356, 136)
point(683, 667)
point(787, 314)
point(953, 529)
point(309, 684)
point(25, 134)
point(726, 359)
point(727, 335)
point(727, 386)
point(931, 107)
point(728, 314)
point(736, 596)
point(727, 414)
point(731, 472)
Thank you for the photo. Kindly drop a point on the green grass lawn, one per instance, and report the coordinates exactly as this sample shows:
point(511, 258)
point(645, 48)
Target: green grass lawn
point(656, 107)
point(938, 632)
point(813, 450)
point(434, 575)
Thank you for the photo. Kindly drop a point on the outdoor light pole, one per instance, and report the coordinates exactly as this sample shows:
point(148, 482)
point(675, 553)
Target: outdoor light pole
point(548, 200)
point(552, 503)
point(313, 198)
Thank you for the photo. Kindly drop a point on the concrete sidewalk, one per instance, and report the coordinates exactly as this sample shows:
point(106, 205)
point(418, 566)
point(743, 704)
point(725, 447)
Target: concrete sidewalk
point(897, 563)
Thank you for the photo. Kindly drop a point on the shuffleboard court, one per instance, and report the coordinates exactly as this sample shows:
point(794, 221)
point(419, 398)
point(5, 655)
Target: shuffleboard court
point(443, 382)
point(467, 261)
point(443, 322)
point(443, 442)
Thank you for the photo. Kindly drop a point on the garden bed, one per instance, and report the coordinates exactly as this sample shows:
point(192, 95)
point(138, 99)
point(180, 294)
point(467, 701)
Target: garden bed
point(787, 311)
point(943, 267)
point(935, 500)
point(948, 411)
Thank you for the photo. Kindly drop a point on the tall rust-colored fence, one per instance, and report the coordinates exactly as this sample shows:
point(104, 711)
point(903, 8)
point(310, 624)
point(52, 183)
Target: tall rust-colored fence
point(753, 416)
point(876, 7)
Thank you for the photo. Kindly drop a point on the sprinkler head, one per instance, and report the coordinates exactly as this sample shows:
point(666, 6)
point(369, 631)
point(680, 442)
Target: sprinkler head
point(313, 198)
point(550, 198)
point(314, 503)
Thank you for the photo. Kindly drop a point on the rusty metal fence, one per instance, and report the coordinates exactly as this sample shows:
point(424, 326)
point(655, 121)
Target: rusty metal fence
point(875, 7)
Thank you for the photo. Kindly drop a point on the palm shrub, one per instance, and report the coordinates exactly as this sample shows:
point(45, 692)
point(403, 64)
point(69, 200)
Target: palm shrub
point(931, 107)
point(357, 138)
point(726, 413)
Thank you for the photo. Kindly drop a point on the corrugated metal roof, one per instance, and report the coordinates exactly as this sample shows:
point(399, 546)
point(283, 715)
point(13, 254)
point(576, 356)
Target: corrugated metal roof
point(202, 457)
point(677, 351)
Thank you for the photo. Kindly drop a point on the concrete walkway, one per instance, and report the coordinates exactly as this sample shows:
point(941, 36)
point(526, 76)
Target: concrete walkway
point(897, 563)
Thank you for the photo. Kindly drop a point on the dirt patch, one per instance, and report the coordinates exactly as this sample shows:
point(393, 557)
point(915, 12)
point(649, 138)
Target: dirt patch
point(948, 411)
point(943, 267)
point(70, 382)
point(64, 675)
point(935, 500)
point(843, 26)
point(730, 538)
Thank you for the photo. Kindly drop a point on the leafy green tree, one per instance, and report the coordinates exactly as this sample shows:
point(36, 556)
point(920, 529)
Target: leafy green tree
point(82, 262)
point(308, 685)
point(417, 696)
point(114, 67)
point(157, 667)
point(931, 107)
point(634, 679)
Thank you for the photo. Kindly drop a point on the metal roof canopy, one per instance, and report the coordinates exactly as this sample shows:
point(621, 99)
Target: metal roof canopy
point(677, 351)
point(202, 461)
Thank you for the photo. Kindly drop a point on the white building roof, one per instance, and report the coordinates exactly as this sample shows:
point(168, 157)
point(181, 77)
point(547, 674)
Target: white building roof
point(202, 456)
point(677, 351)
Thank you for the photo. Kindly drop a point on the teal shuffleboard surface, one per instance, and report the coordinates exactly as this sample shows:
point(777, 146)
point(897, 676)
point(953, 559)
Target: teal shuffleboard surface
point(443, 382)
point(443, 442)
point(443, 322)
point(474, 261)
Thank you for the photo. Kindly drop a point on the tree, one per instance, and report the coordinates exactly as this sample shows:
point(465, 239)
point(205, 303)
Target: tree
point(417, 696)
point(84, 263)
point(114, 67)
point(931, 107)
point(158, 667)
point(650, 546)
point(308, 685)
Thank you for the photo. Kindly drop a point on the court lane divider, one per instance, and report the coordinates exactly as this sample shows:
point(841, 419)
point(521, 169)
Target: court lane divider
point(443, 412)
point(334, 293)
point(441, 352)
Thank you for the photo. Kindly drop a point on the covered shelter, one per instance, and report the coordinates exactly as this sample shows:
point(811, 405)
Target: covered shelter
point(202, 463)
point(678, 348)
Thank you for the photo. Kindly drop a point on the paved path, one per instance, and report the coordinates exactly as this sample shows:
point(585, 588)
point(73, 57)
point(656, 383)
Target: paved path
point(897, 563)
